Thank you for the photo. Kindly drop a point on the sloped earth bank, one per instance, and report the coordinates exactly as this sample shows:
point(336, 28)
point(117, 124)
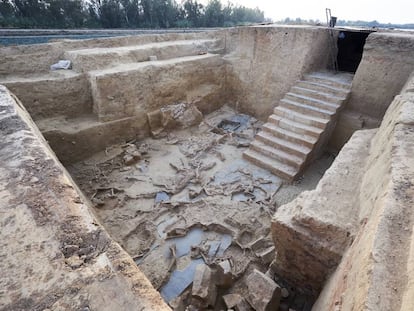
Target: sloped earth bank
point(187, 198)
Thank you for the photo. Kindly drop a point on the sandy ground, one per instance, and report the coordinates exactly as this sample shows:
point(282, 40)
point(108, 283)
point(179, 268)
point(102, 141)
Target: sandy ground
point(189, 199)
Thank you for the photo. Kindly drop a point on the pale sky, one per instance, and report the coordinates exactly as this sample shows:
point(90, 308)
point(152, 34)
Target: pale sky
point(384, 11)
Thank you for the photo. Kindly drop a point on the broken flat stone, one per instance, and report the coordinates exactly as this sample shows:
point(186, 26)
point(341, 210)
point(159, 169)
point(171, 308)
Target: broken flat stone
point(231, 300)
point(260, 243)
point(236, 302)
point(204, 289)
point(224, 274)
point(267, 255)
point(194, 192)
point(129, 159)
point(74, 261)
point(264, 293)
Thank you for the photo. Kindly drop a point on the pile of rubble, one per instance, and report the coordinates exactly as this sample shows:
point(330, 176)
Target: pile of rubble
point(193, 215)
point(209, 291)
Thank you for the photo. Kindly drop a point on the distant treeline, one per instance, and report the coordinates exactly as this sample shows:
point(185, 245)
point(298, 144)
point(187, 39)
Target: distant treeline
point(123, 14)
point(340, 22)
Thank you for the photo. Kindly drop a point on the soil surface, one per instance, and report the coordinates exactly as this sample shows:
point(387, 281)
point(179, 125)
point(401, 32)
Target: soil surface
point(187, 197)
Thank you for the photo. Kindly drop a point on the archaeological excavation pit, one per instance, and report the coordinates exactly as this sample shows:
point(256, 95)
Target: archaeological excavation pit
point(233, 169)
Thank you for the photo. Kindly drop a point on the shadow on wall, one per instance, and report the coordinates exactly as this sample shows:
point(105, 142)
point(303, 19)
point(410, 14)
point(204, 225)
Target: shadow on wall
point(350, 49)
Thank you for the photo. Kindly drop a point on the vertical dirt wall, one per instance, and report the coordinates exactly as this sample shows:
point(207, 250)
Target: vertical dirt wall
point(264, 62)
point(386, 64)
point(54, 253)
point(376, 271)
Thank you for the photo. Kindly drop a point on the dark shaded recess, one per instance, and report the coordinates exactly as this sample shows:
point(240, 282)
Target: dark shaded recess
point(350, 48)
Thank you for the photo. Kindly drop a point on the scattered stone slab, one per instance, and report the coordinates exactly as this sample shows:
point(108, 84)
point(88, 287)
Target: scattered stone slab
point(74, 262)
point(267, 255)
point(132, 155)
point(264, 293)
point(224, 274)
point(236, 302)
point(204, 289)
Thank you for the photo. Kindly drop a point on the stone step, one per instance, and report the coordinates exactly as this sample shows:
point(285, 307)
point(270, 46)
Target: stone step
point(300, 151)
point(298, 123)
point(300, 117)
point(340, 81)
point(306, 109)
point(314, 102)
point(278, 168)
point(100, 58)
point(303, 140)
point(130, 89)
point(277, 154)
point(324, 96)
point(296, 127)
point(323, 88)
point(57, 93)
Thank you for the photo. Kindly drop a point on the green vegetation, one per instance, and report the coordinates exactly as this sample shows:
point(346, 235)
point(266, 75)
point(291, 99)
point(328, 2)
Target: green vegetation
point(123, 14)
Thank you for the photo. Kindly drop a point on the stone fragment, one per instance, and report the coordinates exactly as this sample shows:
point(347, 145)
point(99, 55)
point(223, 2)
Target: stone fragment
point(236, 302)
point(182, 115)
point(74, 262)
point(129, 159)
point(153, 58)
point(260, 243)
point(224, 274)
point(194, 192)
point(204, 289)
point(231, 300)
point(177, 304)
point(264, 293)
point(243, 306)
point(285, 293)
point(144, 148)
point(267, 255)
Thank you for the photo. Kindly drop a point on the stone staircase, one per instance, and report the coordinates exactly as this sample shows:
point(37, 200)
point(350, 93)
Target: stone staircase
point(301, 124)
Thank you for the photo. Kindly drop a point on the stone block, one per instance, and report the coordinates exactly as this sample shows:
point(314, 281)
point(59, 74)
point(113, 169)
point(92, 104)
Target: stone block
point(236, 302)
point(204, 289)
point(224, 276)
point(264, 293)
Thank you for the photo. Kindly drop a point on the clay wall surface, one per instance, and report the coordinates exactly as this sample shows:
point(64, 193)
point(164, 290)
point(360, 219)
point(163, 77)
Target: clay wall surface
point(130, 90)
point(386, 64)
point(54, 253)
point(264, 63)
point(112, 85)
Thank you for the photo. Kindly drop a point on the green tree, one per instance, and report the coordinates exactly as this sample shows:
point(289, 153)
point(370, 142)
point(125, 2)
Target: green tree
point(193, 12)
point(214, 15)
point(111, 15)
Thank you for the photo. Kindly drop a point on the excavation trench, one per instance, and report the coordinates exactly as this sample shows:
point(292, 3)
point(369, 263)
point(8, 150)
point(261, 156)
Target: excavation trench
point(189, 199)
point(177, 142)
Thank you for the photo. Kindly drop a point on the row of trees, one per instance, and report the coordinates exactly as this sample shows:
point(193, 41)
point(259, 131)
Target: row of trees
point(123, 14)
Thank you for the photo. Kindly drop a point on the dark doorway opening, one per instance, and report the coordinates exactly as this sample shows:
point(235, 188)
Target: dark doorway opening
point(350, 48)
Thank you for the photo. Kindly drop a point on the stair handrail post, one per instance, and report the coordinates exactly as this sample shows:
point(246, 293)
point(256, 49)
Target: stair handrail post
point(330, 24)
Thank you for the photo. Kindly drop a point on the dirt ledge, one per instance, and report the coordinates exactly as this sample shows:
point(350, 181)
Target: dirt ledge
point(54, 254)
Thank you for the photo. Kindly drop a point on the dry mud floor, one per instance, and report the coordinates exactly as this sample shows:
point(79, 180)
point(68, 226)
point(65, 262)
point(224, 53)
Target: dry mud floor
point(188, 197)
